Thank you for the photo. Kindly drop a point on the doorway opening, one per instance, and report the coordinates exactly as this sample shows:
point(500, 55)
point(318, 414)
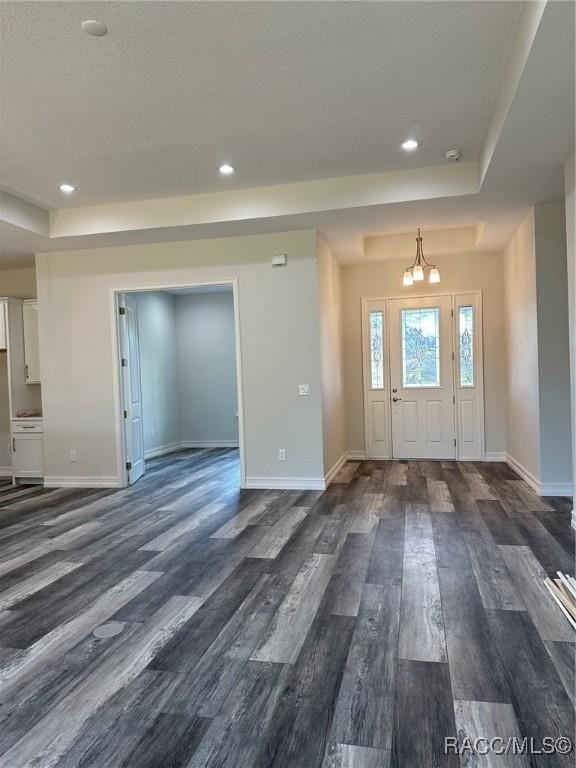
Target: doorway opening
point(423, 377)
point(179, 377)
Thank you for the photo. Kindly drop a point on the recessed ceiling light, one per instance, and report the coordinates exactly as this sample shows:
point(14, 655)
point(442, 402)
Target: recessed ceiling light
point(226, 169)
point(94, 28)
point(410, 144)
point(67, 188)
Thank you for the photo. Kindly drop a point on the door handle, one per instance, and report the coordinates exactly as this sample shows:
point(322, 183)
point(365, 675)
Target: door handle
point(395, 399)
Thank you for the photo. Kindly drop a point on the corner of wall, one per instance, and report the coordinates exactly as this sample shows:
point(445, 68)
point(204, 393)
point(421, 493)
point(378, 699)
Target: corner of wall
point(331, 358)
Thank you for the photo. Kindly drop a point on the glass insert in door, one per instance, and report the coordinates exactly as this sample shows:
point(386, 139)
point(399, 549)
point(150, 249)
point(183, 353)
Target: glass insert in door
point(421, 347)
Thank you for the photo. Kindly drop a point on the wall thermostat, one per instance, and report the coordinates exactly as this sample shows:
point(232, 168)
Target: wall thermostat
point(280, 260)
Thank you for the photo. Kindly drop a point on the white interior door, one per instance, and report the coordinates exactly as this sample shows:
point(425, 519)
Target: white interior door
point(421, 378)
point(131, 386)
point(376, 380)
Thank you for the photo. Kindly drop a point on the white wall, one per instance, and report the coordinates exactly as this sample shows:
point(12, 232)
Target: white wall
point(188, 366)
point(18, 283)
point(460, 273)
point(279, 337)
point(538, 378)
point(553, 344)
point(206, 359)
point(158, 366)
point(332, 353)
point(570, 203)
point(5, 459)
point(523, 394)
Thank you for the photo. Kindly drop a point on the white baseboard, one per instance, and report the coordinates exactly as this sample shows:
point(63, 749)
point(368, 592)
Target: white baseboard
point(556, 489)
point(542, 489)
point(495, 456)
point(333, 471)
point(162, 450)
point(209, 444)
point(356, 456)
point(286, 483)
point(82, 482)
point(524, 473)
point(5, 471)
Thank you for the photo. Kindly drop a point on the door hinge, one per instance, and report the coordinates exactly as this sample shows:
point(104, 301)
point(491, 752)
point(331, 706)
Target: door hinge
point(451, 313)
point(121, 310)
point(454, 441)
point(453, 358)
point(125, 414)
point(124, 363)
point(453, 400)
point(128, 465)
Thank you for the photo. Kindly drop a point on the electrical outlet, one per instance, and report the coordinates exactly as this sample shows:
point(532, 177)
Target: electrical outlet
point(303, 389)
point(73, 456)
point(153, 433)
point(281, 454)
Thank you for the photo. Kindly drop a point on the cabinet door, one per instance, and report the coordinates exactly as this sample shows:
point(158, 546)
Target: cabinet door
point(3, 334)
point(31, 345)
point(27, 455)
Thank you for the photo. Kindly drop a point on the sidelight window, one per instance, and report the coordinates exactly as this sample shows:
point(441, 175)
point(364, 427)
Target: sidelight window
point(466, 345)
point(376, 350)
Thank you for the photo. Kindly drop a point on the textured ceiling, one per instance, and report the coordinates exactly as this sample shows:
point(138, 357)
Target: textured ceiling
point(285, 91)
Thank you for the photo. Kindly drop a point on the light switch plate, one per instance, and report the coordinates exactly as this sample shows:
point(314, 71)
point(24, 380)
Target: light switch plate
point(280, 260)
point(303, 389)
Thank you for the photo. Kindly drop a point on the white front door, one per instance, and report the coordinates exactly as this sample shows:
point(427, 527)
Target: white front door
point(131, 386)
point(421, 378)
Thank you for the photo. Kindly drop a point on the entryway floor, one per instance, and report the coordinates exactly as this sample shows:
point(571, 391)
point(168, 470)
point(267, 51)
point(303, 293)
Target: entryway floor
point(182, 622)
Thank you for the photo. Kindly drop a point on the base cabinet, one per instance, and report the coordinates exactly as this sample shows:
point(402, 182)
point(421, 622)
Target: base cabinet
point(27, 451)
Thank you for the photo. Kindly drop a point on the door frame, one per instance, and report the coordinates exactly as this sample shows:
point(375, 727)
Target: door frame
point(457, 390)
point(126, 384)
point(120, 436)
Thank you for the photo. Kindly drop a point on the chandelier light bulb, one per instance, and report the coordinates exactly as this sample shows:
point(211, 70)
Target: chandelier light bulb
point(434, 275)
point(417, 273)
point(407, 279)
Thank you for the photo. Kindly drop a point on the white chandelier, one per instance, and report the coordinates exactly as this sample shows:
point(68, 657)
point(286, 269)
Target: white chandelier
point(415, 273)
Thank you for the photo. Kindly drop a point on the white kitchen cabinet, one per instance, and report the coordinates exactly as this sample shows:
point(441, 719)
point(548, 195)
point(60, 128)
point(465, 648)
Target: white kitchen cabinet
point(3, 330)
point(27, 449)
point(31, 342)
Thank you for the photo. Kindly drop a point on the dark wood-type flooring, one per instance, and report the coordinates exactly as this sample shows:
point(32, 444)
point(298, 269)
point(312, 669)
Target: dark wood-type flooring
point(184, 623)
